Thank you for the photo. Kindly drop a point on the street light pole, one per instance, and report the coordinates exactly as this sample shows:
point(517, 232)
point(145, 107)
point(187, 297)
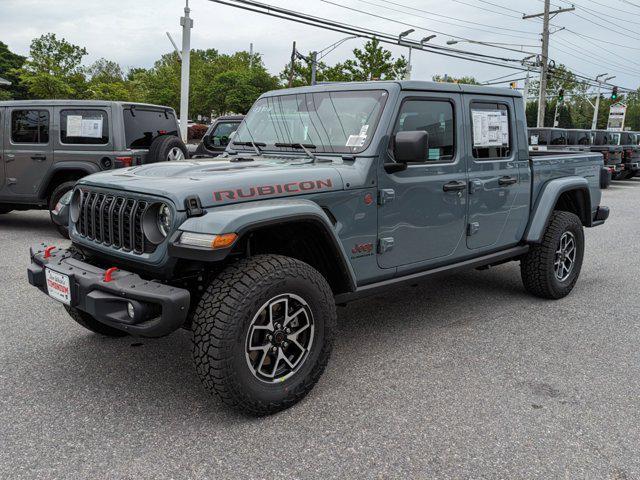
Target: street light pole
point(314, 67)
point(596, 109)
point(407, 75)
point(187, 25)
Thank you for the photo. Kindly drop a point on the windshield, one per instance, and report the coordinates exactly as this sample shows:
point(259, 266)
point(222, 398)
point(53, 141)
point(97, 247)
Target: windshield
point(329, 122)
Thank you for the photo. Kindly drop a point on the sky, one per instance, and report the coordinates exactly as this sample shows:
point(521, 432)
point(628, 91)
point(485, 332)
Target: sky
point(133, 32)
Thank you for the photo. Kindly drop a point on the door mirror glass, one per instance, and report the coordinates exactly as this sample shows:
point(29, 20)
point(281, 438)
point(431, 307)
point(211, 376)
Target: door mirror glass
point(411, 146)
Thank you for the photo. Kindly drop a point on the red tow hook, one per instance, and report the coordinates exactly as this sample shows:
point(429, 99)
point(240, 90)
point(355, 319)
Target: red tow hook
point(48, 250)
point(108, 273)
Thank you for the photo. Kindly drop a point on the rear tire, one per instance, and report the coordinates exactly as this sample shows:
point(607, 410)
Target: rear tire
point(54, 198)
point(167, 148)
point(90, 323)
point(551, 269)
point(246, 349)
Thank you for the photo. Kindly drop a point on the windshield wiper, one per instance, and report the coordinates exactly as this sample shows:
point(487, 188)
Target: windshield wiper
point(304, 147)
point(256, 145)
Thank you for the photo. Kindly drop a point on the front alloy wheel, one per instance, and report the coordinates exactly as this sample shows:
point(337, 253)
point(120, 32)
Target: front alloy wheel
point(279, 338)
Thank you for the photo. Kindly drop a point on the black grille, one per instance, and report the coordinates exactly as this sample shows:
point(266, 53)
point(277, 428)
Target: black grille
point(113, 221)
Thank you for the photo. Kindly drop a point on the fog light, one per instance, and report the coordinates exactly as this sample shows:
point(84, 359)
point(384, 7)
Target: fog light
point(131, 311)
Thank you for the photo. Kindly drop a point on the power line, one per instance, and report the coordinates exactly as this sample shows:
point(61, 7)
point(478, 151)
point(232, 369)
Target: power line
point(448, 17)
point(319, 22)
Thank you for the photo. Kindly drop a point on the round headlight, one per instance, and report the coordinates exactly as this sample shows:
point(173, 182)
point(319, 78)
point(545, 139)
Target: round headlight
point(164, 219)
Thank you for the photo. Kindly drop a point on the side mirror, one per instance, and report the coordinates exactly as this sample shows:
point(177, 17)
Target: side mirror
point(411, 146)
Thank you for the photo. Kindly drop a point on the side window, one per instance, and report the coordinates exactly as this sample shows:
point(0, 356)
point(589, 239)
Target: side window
point(222, 132)
point(437, 119)
point(30, 126)
point(84, 127)
point(491, 135)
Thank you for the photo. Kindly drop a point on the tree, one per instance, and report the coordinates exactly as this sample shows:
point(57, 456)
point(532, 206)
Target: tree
point(212, 74)
point(10, 63)
point(468, 80)
point(53, 69)
point(302, 73)
point(374, 62)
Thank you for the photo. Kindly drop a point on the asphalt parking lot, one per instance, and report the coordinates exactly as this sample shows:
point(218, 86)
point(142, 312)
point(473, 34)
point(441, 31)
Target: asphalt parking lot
point(462, 377)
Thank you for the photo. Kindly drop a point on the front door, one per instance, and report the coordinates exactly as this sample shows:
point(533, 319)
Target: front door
point(498, 194)
point(422, 216)
point(28, 151)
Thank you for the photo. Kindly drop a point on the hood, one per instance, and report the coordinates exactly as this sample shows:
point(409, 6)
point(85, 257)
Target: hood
point(221, 182)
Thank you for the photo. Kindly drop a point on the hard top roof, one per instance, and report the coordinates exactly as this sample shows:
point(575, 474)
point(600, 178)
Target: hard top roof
point(75, 103)
point(413, 85)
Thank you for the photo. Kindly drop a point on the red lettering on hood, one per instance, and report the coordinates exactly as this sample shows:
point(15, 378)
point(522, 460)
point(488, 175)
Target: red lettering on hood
point(268, 190)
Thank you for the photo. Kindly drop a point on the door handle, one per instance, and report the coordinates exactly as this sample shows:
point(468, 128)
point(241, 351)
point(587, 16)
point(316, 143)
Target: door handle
point(10, 157)
point(39, 158)
point(455, 186)
point(506, 181)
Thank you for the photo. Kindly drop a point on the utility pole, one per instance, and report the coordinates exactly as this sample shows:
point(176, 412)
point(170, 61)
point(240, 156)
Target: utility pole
point(596, 108)
point(546, 16)
point(187, 25)
point(293, 64)
point(314, 66)
point(250, 56)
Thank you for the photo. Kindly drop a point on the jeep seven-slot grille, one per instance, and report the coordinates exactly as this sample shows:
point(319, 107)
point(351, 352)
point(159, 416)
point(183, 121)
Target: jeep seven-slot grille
point(113, 221)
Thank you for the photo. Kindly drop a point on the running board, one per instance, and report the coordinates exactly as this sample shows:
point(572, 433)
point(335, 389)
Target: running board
point(380, 287)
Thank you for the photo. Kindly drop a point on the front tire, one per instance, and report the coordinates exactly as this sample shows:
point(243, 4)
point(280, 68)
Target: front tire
point(551, 269)
point(263, 333)
point(91, 324)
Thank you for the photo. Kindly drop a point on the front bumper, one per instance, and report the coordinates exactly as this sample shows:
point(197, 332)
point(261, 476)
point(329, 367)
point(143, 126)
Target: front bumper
point(159, 309)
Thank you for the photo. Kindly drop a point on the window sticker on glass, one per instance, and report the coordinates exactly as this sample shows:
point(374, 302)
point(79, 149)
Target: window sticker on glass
point(77, 126)
point(74, 125)
point(92, 127)
point(534, 139)
point(356, 140)
point(490, 128)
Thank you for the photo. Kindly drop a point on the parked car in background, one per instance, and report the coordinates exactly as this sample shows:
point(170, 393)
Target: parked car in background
point(630, 143)
point(47, 145)
point(580, 139)
point(607, 143)
point(542, 139)
point(218, 135)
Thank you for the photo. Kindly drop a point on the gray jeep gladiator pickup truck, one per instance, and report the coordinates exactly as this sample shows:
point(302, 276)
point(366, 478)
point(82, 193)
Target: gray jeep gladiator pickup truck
point(329, 194)
point(47, 145)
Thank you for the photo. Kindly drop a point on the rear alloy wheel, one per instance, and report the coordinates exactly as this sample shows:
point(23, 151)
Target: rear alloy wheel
point(551, 268)
point(263, 332)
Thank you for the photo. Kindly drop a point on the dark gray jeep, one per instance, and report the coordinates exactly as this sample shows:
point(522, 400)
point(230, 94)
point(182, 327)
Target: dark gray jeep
point(47, 145)
point(330, 193)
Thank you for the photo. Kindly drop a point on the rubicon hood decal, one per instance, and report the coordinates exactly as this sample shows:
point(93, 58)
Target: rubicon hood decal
point(270, 190)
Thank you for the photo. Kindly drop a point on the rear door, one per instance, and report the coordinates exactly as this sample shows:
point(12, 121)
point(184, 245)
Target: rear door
point(84, 135)
point(498, 194)
point(423, 213)
point(28, 149)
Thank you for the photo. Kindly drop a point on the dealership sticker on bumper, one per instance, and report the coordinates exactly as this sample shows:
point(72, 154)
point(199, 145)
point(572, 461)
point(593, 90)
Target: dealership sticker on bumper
point(58, 286)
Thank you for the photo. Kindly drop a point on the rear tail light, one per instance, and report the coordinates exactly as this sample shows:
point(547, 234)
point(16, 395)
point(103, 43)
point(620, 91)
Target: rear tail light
point(124, 161)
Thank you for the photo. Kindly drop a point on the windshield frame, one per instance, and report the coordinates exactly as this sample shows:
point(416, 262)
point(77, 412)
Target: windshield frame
point(327, 149)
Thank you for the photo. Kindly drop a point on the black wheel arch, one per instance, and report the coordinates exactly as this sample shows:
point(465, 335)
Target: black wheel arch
point(65, 172)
